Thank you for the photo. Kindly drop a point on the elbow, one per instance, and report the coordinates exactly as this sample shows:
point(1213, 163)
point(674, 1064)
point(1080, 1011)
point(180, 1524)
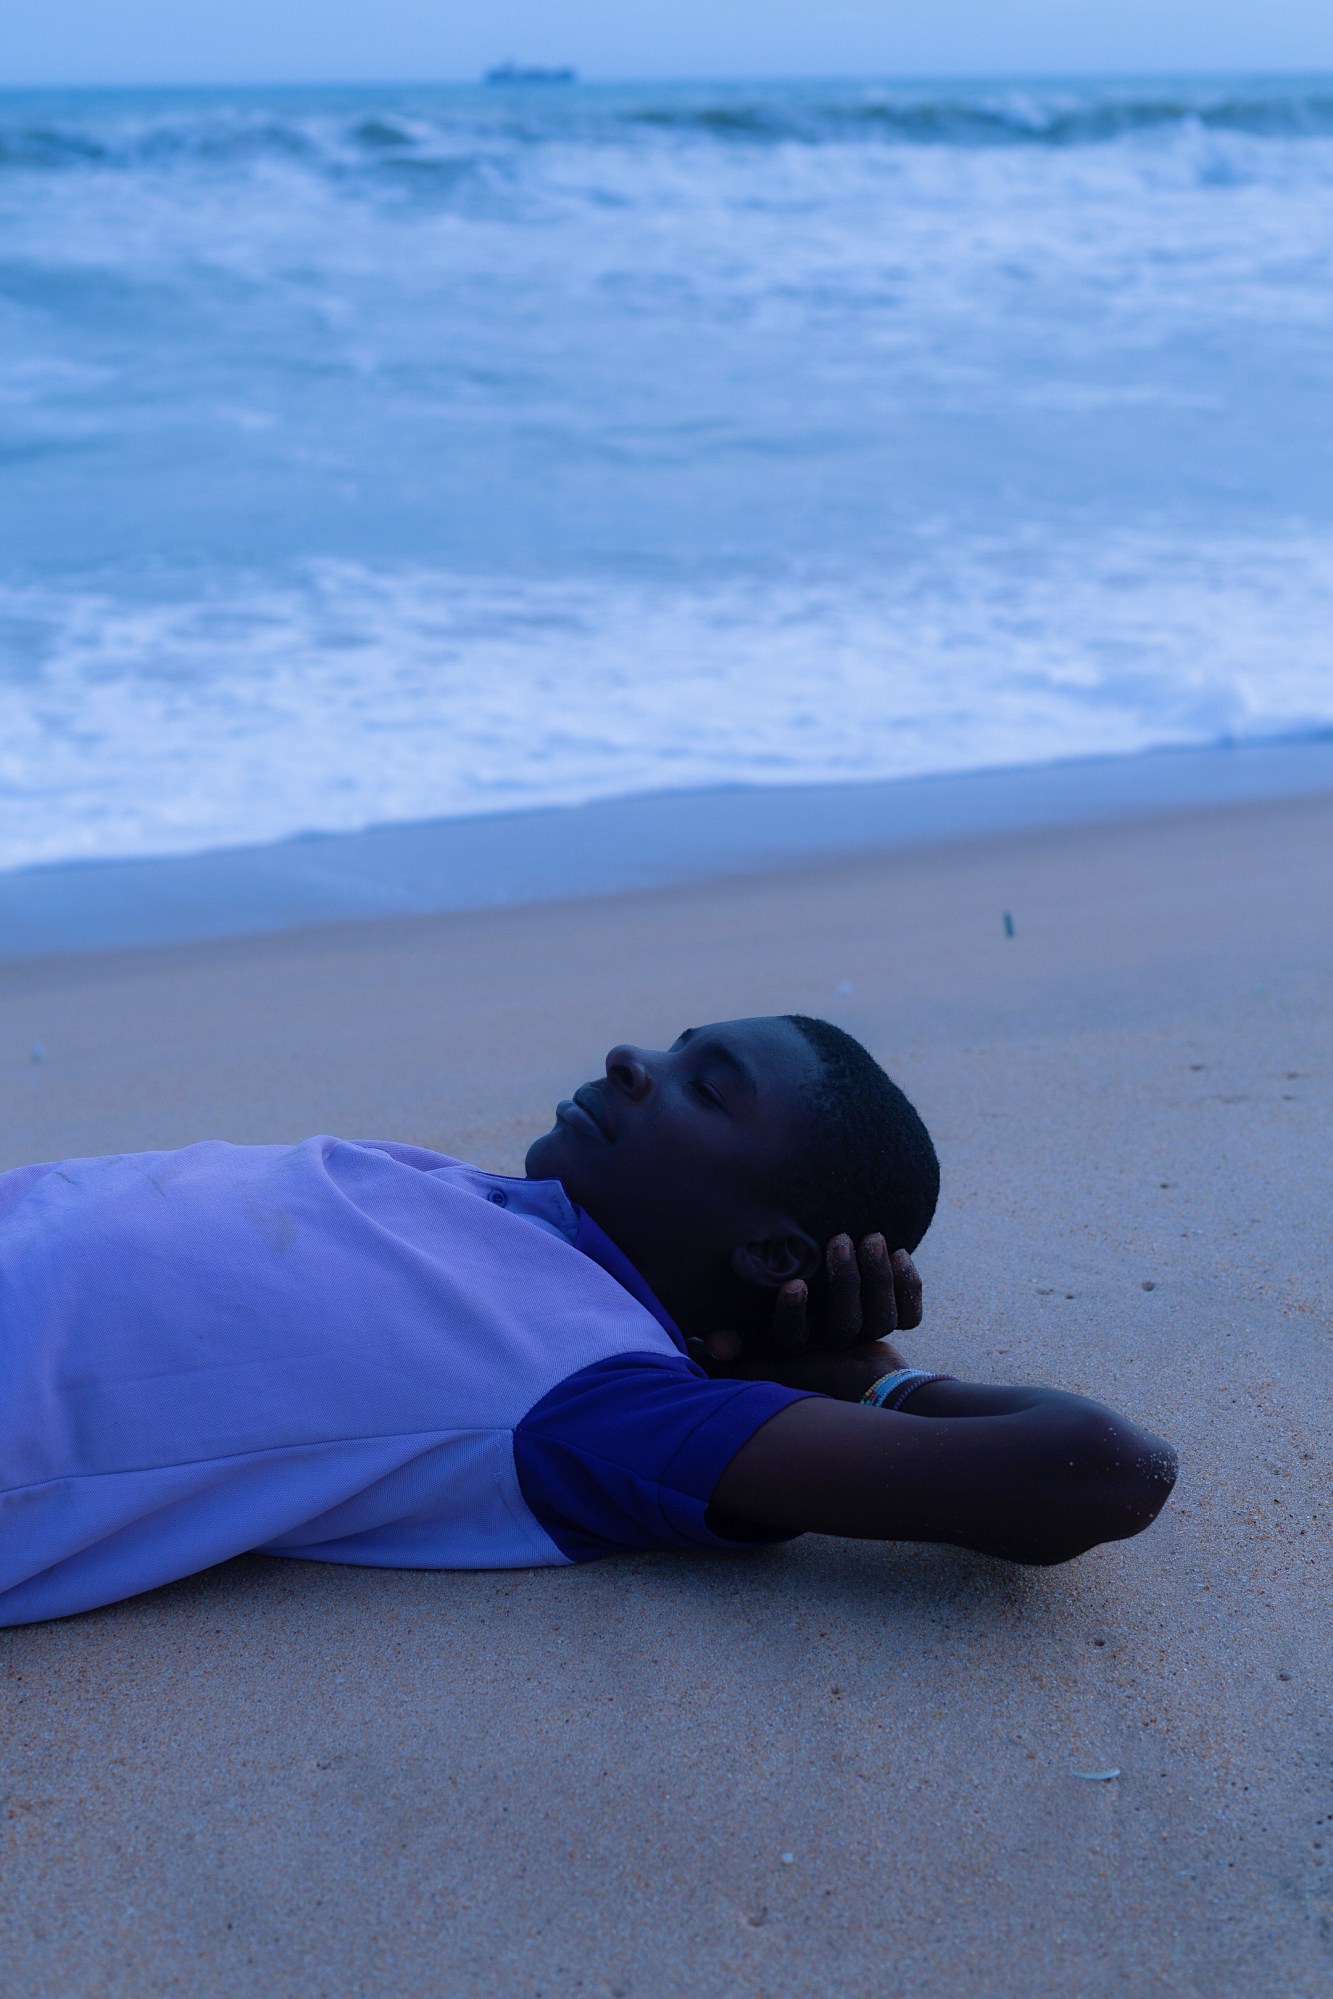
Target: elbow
point(1106, 1480)
point(1152, 1476)
point(1119, 1479)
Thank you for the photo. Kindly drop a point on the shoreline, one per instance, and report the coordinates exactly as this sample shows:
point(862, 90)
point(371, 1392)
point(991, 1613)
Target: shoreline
point(609, 846)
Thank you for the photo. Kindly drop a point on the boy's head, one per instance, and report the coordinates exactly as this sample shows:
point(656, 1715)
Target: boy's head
point(723, 1164)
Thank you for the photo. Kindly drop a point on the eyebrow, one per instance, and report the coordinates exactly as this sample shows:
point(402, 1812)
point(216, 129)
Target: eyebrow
point(720, 1050)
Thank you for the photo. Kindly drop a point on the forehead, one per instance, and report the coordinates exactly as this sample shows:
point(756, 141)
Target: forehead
point(775, 1052)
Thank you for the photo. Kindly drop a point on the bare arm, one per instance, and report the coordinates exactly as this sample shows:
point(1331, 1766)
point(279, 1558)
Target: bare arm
point(1029, 1474)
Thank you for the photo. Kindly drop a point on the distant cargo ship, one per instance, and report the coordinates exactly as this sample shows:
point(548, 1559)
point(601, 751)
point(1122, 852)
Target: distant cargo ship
point(517, 72)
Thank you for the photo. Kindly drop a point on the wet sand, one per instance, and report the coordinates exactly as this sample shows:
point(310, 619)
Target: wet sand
point(283, 1778)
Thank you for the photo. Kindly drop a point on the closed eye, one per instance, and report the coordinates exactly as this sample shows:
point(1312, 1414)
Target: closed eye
point(708, 1094)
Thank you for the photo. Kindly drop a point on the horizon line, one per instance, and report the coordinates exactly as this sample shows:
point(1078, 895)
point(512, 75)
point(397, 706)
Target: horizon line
point(597, 80)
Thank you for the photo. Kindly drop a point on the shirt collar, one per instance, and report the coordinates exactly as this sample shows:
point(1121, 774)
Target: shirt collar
point(595, 1242)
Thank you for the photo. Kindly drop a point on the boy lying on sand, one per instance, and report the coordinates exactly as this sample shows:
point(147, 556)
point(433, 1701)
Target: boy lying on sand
point(372, 1353)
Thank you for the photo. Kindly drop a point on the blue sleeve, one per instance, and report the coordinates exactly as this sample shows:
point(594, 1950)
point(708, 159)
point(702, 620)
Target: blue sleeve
point(626, 1453)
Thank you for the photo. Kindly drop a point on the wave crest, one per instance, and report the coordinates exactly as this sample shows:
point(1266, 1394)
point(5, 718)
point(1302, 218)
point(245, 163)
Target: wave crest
point(1020, 121)
point(451, 132)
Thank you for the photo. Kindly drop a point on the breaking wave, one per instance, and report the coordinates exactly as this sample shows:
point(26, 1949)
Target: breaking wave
point(169, 726)
point(460, 129)
point(395, 453)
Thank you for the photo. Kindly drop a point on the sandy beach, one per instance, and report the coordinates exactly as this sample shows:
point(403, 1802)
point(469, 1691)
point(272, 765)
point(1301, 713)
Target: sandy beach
point(830, 1768)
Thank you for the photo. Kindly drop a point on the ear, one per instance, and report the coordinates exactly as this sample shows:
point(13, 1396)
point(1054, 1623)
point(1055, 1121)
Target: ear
point(772, 1261)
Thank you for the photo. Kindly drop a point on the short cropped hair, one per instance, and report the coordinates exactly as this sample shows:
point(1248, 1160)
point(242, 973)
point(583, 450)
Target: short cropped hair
point(869, 1166)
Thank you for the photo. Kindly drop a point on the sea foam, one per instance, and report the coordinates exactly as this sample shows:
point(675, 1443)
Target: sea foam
point(389, 454)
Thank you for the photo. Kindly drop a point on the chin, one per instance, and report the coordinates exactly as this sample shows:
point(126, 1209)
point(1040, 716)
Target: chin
point(544, 1160)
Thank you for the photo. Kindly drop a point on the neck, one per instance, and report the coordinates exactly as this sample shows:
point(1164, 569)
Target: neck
point(699, 1291)
point(701, 1302)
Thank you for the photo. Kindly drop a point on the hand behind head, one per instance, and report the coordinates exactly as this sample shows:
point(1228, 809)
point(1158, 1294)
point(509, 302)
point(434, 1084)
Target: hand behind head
point(866, 1295)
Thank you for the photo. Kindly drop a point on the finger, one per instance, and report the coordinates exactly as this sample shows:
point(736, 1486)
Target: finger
point(907, 1286)
point(879, 1305)
point(722, 1347)
point(844, 1287)
point(789, 1328)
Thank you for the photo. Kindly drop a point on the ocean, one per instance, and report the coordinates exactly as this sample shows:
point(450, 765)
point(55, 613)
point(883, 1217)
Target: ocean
point(386, 455)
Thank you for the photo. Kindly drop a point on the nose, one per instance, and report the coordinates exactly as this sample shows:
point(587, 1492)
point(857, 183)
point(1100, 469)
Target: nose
point(628, 1068)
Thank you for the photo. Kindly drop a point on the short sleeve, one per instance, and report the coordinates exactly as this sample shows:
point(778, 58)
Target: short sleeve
point(626, 1454)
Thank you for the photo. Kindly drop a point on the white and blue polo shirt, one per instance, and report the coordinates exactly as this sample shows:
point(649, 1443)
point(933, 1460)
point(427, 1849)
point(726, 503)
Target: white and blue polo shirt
point(347, 1352)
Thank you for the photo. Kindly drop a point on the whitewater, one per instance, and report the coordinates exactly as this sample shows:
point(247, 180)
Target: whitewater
point(387, 455)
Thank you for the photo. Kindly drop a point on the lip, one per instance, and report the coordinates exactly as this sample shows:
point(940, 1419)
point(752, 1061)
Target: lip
point(585, 1113)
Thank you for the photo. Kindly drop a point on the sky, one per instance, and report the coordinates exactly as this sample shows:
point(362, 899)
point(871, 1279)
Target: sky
point(256, 41)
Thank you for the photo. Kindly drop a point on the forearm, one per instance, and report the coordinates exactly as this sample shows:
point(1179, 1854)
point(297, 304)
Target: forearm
point(1033, 1475)
point(1040, 1481)
point(850, 1375)
point(1034, 1480)
point(1072, 1472)
point(955, 1398)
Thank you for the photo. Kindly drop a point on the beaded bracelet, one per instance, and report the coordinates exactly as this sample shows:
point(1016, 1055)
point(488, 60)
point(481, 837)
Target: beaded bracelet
point(892, 1390)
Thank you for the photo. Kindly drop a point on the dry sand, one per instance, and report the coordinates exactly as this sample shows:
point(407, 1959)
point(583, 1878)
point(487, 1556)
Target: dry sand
point(282, 1778)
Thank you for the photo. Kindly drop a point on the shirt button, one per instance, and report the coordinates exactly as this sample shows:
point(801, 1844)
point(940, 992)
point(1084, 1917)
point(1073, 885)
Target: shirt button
point(500, 1198)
